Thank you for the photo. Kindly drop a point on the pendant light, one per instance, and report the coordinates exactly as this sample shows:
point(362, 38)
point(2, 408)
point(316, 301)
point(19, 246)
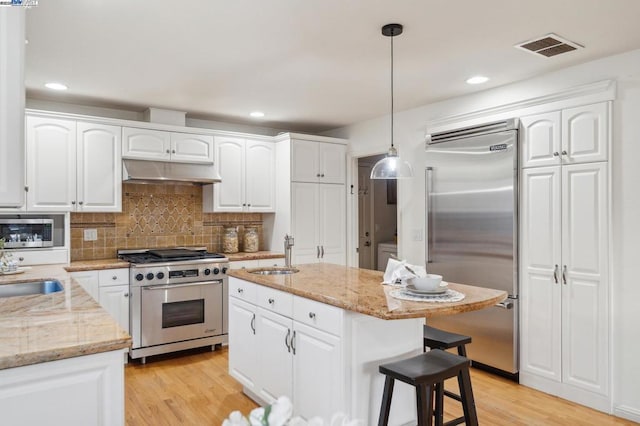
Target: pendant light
point(391, 166)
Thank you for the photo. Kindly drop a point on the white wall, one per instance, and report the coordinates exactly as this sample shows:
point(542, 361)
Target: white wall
point(369, 137)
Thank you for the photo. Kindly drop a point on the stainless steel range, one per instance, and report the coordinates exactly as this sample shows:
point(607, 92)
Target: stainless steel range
point(178, 299)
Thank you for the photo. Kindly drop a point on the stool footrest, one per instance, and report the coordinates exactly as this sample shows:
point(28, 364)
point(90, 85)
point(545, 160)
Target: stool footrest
point(454, 422)
point(453, 395)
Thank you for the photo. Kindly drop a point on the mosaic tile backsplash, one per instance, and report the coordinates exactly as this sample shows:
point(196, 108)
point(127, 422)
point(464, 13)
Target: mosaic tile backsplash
point(156, 216)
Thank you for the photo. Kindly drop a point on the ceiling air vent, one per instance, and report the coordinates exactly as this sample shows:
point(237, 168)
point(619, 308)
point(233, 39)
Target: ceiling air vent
point(549, 45)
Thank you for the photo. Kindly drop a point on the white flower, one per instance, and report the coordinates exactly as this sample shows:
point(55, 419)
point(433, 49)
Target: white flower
point(255, 416)
point(235, 419)
point(281, 411)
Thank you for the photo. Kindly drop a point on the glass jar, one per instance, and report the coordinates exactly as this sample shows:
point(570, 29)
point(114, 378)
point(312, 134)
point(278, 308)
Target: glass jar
point(251, 239)
point(230, 239)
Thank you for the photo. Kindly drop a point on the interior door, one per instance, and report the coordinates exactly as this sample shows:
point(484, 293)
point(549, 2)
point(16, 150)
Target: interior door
point(365, 248)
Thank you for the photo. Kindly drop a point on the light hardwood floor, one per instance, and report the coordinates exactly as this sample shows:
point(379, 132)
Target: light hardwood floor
point(195, 389)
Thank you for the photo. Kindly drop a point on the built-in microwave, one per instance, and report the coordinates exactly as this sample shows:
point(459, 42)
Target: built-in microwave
point(25, 233)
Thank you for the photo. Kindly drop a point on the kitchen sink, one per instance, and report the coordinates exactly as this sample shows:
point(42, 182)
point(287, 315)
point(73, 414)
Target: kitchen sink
point(35, 287)
point(273, 271)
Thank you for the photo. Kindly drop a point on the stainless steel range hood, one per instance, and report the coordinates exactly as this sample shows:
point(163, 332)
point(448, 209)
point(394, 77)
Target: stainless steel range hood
point(143, 171)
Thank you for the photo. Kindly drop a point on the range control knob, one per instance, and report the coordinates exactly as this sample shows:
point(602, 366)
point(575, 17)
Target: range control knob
point(224, 270)
point(207, 271)
point(216, 271)
point(160, 275)
point(150, 276)
point(139, 277)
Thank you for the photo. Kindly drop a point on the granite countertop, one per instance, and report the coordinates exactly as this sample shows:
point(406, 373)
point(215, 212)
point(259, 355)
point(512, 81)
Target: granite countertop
point(236, 257)
point(48, 327)
point(93, 265)
point(360, 290)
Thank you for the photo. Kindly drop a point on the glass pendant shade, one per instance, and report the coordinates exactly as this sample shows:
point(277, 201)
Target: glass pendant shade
point(392, 167)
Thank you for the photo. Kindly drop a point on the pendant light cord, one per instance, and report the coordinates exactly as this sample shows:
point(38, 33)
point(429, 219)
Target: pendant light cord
point(392, 35)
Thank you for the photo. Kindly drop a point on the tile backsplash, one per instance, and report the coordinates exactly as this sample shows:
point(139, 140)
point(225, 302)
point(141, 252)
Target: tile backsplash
point(156, 216)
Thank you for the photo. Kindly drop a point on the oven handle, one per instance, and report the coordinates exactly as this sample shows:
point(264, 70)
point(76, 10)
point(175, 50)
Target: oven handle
point(170, 286)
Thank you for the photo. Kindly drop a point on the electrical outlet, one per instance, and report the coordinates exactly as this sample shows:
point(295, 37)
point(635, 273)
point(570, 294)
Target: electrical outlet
point(90, 234)
point(417, 235)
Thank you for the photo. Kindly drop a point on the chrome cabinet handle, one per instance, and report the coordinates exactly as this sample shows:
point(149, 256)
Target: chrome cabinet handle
point(505, 305)
point(115, 277)
point(564, 153)
point(253, 324)
point(81, 202)
point(286, 340)
point(564, 275)
point(556, 154)
point(271, 301)
point(126, 295)
point(173, 151)
point(322, 175)
point(240, 290)
point(312, 315)
point(21, 258)
point(168, 152)
point(322, 252)
point(317, 252)
point(317, 174)
point(555, 274)
point(293, 341)
point(73, 203)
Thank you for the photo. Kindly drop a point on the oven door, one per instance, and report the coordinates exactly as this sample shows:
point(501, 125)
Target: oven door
point(176, 312)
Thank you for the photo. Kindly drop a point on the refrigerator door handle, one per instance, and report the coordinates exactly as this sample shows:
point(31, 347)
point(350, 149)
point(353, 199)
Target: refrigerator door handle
point(505, 305)
point(427, 187)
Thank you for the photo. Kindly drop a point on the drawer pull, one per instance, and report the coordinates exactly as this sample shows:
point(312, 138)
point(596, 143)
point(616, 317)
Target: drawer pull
point(312, 315)
point(115, 277)
point(271, 301)
point(240, 290)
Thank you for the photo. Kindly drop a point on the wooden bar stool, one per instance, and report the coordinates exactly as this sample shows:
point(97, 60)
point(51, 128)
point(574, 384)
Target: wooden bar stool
point(427, 373)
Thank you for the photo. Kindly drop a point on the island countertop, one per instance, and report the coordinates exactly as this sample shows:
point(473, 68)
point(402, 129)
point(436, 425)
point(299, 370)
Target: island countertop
point(47, 327)
point(360, 290)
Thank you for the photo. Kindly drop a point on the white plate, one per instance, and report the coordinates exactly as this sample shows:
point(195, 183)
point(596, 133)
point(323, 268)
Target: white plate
point(440, 290)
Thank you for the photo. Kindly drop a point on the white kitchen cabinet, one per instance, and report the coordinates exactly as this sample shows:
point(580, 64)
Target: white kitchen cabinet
point(564, 284)
point(148, 144)
point(12, 98)
point(47, 256)
point(115, 300)
point(73, 166)
point(318, 162)
point(318, 223)
point(282, 344)
point(89, 282)
point(247, 168)
point(571, 136)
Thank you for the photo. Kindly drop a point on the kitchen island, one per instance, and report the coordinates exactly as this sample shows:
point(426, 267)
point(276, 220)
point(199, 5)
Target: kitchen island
point(61, 355)
point(319, 335)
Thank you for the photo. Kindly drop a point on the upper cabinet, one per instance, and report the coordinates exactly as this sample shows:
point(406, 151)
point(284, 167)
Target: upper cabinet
point(73, 166)
point(146, 144)
point(12, 24)
point(571, 136)
point(247, 168)
point(318, 162)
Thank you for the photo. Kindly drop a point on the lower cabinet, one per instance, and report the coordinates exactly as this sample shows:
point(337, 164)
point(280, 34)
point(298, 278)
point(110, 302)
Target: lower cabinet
point(281, 344)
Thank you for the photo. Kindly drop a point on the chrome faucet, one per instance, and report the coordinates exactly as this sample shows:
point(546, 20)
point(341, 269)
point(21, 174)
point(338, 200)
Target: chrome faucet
point(288, 243)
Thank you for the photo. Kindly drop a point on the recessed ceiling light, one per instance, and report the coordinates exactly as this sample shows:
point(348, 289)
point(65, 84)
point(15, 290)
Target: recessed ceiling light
point(478, 79)
point(257, 114)
point(56, 86)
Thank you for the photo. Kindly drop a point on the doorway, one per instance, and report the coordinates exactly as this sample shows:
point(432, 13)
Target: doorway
point(377, 217)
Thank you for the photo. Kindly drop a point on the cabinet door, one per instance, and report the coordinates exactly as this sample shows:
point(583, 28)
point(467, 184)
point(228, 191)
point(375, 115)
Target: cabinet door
point(585, 132)
point(318, 380)
point(260, 176)
point(332, 205)
point(585, 343)
point(89, 282)
point(12, 31)
point(144, 144)
point(305, 163)
point(99, 168)
point(228, 195)
point(188, 148)
point(115, 300)
point(274, 334)
point(51, 164)
point(541, 288)
point(540, 140)
point(243, 349)
point(305, 220)
point(333, 163)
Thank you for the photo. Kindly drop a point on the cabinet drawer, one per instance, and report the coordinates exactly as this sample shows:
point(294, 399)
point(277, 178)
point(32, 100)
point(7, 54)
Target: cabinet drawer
point(271, 262)
point(244, 264)
point(39, 257)
point(242, 290)
point(319, 315)
point(107, 277)
point(275, 300)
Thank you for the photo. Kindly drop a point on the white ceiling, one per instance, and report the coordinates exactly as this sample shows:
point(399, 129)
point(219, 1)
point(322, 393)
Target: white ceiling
point(310, 65)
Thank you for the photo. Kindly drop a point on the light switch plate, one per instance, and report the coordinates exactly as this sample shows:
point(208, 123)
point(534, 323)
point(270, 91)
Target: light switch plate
point(90, 234)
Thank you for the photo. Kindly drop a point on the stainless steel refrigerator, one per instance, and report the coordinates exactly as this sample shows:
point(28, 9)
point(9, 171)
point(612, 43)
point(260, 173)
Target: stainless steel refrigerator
point(472, 232)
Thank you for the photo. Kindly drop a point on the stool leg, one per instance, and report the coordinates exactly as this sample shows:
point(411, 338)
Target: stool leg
point(468, 403)
point(439, 413)
point(462, 350)
point(386, 401)
point(425, 405)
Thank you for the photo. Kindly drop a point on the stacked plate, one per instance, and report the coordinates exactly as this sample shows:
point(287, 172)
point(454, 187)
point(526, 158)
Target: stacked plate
point(442, 289)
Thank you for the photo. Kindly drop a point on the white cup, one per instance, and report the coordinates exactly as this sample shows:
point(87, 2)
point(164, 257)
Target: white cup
point(430, 282)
